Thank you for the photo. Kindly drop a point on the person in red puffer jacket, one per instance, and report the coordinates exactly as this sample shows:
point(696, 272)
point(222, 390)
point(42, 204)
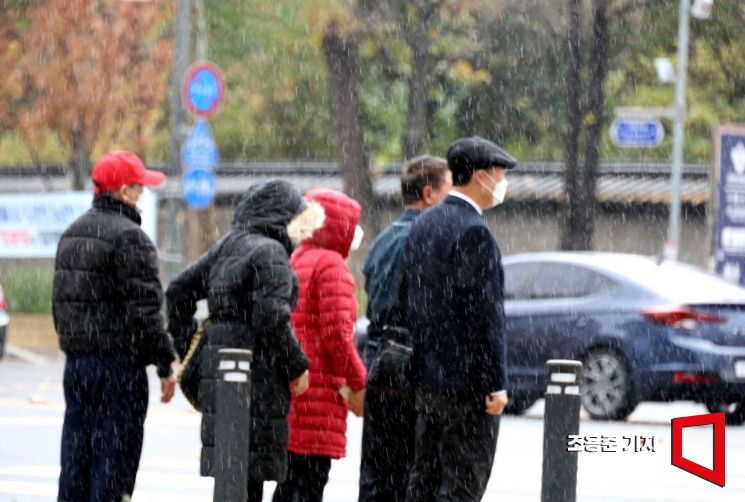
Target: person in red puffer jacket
point(323, 321)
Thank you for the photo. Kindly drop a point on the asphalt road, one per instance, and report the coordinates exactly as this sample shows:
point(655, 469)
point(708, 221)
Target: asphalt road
point(32, 407)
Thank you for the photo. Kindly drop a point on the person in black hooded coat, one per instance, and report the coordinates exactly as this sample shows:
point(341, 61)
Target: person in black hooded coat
point(251, 291)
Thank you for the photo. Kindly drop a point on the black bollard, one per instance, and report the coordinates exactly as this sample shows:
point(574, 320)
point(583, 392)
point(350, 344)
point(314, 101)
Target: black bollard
point(232, 425)
point(561, 418)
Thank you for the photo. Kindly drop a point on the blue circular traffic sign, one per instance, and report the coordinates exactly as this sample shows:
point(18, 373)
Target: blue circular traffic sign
point(199, 187)
point(203, 89)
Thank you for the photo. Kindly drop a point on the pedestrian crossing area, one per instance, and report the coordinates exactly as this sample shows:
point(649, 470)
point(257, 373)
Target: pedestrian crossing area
point(161, 477)
point(169, 469)
point(34, 483)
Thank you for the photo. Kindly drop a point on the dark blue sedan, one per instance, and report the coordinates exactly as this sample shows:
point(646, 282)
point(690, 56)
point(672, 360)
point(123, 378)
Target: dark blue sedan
point(645, 329)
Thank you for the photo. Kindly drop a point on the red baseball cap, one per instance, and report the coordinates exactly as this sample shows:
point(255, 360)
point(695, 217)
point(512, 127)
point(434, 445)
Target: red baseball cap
point(119, 168)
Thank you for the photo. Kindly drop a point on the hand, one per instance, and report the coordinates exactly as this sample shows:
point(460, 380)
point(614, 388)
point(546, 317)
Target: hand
point(495, 403)
point(356, 402)
point(167, 388)
point(300, 384)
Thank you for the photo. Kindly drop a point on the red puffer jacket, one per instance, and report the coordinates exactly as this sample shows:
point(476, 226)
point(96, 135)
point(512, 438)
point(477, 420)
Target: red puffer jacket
point(323, 321)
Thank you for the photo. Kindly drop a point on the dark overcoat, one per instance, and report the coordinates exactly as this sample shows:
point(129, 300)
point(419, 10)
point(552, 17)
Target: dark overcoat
point(455, 296)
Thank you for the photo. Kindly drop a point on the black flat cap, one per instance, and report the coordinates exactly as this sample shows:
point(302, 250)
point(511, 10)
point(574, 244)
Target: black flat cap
point(467, 155)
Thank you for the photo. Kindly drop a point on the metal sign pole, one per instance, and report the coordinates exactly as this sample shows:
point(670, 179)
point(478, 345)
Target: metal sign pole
point(676, 178)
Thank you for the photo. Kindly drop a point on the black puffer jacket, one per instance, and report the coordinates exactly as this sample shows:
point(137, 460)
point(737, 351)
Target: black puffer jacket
point(106, 295)
point(251, 291)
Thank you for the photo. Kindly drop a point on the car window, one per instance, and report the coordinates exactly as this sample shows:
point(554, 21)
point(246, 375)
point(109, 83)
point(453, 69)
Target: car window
point(541, 281)
point(682, 283)
point(517, 280)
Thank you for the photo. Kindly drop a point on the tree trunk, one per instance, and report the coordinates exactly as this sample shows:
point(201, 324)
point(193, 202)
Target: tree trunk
point(80, 160)
point(595, 121)
point(571, 235)
point(201, 232)
point(342, 61)
point(416, 115)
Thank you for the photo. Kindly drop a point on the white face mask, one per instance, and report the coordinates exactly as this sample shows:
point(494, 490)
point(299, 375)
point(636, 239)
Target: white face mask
point(357, 239)
point(138, 203)
point(499, 191)
point(144, 200)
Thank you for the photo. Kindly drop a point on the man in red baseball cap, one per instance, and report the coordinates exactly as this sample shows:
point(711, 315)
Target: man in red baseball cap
point(123, 174)
point(107, 312)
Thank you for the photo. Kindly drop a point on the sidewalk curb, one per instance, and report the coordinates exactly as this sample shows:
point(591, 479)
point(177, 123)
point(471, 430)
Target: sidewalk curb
point(25, 355)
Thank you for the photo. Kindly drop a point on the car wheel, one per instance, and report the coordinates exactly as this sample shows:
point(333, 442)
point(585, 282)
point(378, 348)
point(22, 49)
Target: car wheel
point(606, 386)
point(734, 413)
point(519, 404)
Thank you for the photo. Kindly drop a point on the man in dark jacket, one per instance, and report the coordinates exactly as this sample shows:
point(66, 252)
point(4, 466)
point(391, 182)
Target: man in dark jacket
point(389, 413)
point(106, 305)
point(456, 313)
point(250, 291)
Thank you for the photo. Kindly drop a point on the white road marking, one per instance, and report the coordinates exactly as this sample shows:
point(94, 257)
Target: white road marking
point(56, 421)
point(161, 484)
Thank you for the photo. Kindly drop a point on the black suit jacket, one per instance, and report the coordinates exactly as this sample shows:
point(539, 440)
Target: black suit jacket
point(455, 294)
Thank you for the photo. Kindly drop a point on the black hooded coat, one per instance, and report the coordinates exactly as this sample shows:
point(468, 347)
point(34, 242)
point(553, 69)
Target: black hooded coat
point(251, 291)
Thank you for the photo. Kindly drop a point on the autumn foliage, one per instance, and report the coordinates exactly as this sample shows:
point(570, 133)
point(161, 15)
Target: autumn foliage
point(93, 72)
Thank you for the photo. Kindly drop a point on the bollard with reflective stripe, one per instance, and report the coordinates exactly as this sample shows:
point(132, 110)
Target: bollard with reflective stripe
point(561, 418)
point(232, 425)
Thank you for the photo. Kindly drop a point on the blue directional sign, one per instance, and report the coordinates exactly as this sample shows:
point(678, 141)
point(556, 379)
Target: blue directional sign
point(637, 133)
point(203, 89)
point(200, 149)
point(199, 187)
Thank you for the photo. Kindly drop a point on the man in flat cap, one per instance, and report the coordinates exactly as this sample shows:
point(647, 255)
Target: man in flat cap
point(456, 314)
point(106, 304)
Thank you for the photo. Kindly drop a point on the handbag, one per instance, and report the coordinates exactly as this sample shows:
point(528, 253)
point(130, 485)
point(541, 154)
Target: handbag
point(390, 367)
point(189, 376)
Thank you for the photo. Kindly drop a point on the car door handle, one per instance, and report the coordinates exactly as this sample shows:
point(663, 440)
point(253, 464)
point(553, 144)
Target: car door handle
point(582, 322)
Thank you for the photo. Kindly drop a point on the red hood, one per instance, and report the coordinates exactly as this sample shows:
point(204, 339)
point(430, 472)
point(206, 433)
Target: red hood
point(342, 216)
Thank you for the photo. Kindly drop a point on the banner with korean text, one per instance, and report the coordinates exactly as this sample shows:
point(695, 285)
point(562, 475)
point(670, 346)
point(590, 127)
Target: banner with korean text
point(31, 223)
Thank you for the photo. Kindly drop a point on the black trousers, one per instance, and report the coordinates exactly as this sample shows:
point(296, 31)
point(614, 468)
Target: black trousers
point(307, 476)
point(388, 435)
point(455, 447)
point(255, 491)
point(106, 402)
